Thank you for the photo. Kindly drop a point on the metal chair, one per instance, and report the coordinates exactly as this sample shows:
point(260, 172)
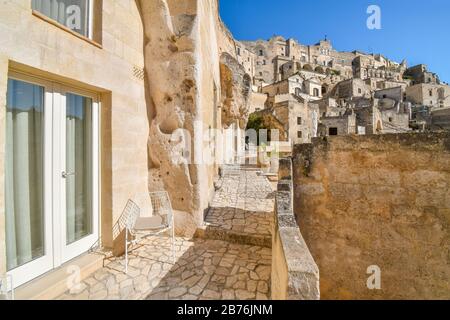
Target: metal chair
point(141, 227)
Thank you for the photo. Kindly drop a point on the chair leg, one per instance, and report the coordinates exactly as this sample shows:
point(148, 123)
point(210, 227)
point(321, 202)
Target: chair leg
point(126, 251)
point(173, 240)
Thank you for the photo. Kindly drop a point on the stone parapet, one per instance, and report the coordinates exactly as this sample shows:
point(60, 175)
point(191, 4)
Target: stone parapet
point(295, 275)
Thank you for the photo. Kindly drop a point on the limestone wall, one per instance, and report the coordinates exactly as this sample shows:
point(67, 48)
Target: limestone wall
point(295, 275)
point(380, 201)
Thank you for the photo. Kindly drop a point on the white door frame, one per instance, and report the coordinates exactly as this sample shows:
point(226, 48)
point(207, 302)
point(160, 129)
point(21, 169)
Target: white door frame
point(56, 252)
point(64, 252)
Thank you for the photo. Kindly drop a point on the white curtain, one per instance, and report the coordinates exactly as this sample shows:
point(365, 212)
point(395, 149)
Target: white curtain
point(23, 173)
point(78, 165)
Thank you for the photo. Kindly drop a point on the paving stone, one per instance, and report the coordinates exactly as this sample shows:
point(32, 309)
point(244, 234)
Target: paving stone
point(211, 294)
point(244, 294)
point(177, 292)
point(228, 294)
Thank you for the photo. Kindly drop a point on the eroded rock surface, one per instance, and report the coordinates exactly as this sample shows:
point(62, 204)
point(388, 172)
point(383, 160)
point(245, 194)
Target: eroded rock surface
point(236, 91)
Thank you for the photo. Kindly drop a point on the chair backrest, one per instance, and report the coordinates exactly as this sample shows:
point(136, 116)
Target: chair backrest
point(161, 205)
point(131, 214)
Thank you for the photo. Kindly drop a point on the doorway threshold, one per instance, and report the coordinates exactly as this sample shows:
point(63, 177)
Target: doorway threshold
point(54, 283)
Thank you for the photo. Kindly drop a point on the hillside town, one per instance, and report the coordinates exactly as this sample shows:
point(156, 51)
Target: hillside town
point(316, 91)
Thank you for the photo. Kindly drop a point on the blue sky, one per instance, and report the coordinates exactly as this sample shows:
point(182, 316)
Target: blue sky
point(417, 30)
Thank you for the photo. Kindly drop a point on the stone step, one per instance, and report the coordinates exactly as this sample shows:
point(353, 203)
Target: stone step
point(210, 232)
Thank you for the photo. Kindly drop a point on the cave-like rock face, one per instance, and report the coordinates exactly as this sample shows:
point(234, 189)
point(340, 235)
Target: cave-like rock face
point(236, 91)
point(171, 99)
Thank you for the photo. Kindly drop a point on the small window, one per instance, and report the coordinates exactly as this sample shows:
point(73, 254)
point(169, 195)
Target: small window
point(238, 51)
point(359, 90)
point(73, 14)
point(315, 92)
point(299, 121)
point(299, 134)
point(391, 119)
point(264, 62)
point(333, 131)
point(261, 53)
point(431, 93)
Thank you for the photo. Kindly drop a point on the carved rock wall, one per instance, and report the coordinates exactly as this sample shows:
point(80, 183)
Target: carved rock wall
point(183, 92)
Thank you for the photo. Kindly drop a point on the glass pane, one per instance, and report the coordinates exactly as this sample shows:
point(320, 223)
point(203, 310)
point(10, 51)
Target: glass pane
point(74, 14)
point(78, 167)
point(24, 173)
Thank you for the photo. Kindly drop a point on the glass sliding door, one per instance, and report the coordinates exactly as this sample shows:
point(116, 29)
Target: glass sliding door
point(24, 180)
point(79, 167)
point(28, 221)
point(51, 175)
point(78, 145)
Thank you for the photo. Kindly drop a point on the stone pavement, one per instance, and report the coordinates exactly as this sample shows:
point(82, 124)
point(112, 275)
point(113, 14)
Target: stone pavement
point(206, 268)
point(242, 210)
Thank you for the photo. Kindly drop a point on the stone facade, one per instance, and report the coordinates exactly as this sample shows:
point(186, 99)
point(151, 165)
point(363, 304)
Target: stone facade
point(60, 56)
point(379, 201)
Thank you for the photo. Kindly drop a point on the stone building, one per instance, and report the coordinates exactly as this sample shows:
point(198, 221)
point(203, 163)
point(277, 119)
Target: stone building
point(307, 85)
point(122, 101)
point(376, 66)
point(300, 118)
point(436, 96)
point(338, 125)
point(273, 54)
point(350, 89)
point(420, 74)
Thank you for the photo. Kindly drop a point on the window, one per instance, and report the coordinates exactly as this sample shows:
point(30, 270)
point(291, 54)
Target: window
point(431, 93)
point(333, 131)
point(261, 53)
point(264, 62)
point(359, 90)
point(299, 134)
point(390, 119)
point(299, 121)
point(74, 14)
point(315, 92)
point(238, 51)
